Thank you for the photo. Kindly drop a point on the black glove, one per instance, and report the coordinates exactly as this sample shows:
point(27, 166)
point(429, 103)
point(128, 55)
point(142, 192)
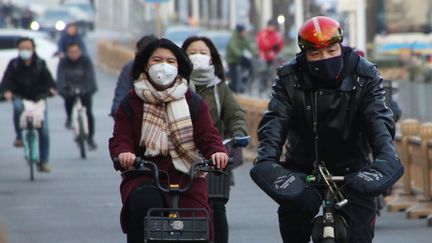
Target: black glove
point(278, 182)
point(240, 141)
point(275, 48)
point(376, 178)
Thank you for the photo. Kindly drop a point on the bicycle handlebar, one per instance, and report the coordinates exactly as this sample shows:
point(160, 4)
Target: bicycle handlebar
point(312, 179)
point(230, 140)
point(323, 177)
point(141, 164)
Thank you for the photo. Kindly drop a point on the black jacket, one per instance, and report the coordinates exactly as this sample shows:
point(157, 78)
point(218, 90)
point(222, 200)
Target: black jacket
point(76, 75)
point(30, 82)
point(351, 118)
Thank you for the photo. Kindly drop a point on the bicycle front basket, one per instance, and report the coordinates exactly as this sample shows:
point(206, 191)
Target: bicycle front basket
point(158, 227)
point(219, 185)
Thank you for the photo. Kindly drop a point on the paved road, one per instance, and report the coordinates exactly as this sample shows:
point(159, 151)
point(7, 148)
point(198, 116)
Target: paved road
point(79, 200)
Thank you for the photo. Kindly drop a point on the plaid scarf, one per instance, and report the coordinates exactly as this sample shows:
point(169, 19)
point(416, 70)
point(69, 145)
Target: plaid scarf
point(167, 125)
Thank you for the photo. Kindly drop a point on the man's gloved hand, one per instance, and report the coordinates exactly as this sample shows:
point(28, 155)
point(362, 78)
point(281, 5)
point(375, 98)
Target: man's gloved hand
point(376, 178)
point(275, 47)
point(278, 182)
point(240, 141)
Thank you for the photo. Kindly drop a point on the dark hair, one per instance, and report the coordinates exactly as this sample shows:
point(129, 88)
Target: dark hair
point(215, 56)
point(69, 45)
point(71, 25)
point(240, 28)
point(273, 22)
point(142, 58)
point(144, 41)
point(22, 39)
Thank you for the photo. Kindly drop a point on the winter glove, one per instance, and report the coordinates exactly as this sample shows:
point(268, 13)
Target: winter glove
point(275, 48)
point(278, 182)
point(376, 178)
point(241, 141)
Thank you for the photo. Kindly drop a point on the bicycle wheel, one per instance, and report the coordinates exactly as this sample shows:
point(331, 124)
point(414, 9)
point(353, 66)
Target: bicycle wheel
point(81, 137)
point(30, 137)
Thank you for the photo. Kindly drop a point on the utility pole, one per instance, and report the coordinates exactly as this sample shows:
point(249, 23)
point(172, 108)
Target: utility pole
point(233, 14)
point(195, 11)
point(299, 16)
point(267, 11)
point(361, 25)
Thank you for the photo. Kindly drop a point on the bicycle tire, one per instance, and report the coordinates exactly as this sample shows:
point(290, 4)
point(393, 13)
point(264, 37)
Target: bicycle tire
point(81, 137)
point(328, 240)
point(30, 137)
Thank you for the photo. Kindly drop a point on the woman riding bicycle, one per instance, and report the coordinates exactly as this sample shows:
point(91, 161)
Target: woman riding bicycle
point(162, 121)
point(209, 81)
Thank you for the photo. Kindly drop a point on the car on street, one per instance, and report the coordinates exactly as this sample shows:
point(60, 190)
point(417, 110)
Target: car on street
point(45, 48)
point(83, 11)
point(220, 39)
point(54, 20)
point(179, 33)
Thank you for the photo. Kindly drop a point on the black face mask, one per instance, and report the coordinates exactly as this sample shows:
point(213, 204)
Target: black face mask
point(326, 70)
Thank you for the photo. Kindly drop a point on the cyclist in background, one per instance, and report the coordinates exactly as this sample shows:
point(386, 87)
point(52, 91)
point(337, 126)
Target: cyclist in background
point(124, 81)
point(70, 35)
point(27, 77)
point(209, 81)
point(238, 54)
point(75, 71)
point(269, 42)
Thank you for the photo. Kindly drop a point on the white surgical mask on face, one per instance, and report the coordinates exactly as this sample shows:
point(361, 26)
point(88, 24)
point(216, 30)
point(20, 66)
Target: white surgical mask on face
point(163, 73)
point(200, 61)
point(25, 54)
point(203, 72)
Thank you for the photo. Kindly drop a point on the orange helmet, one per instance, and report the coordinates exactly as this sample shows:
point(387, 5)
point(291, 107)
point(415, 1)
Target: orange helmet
point(319, 32)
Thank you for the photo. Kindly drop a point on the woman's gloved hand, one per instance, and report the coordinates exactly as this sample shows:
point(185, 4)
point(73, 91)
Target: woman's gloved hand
point(240, 141)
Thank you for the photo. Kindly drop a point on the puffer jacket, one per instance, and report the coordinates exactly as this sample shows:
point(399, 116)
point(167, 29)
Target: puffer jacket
point(224, 110)
point(351, 119)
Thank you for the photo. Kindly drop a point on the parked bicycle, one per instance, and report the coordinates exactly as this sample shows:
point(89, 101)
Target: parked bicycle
point(171, 224)
point(80, 123)
point(329, 227)
point(31, 120)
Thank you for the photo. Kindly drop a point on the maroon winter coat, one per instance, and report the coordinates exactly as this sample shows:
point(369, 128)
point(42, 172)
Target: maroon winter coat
point(127, 134)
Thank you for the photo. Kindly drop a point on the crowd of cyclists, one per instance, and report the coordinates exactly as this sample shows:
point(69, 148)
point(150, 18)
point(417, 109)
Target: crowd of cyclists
point(27, 77)
point(174, 105)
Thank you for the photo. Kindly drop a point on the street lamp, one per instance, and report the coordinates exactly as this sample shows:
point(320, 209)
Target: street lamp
point(281, 19)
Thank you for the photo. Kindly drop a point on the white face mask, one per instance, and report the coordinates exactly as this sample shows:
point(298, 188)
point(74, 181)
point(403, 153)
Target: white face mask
point(203, 72)
point(200, 61)
point(25, 54)
point(163, 73)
